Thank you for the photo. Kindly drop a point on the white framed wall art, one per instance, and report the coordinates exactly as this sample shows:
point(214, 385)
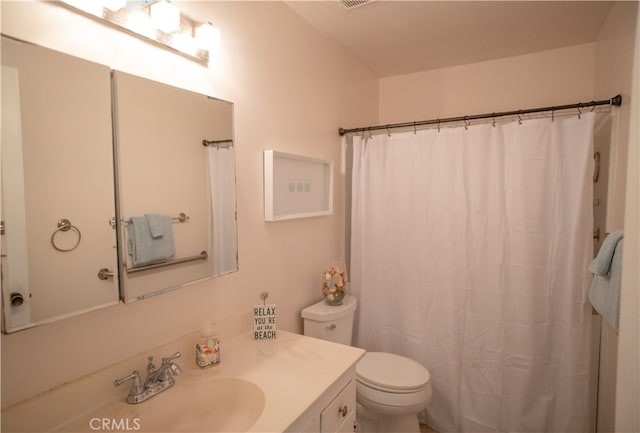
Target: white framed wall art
point(296, 186)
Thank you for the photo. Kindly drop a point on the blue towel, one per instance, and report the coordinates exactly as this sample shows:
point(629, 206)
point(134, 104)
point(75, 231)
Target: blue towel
point(605, 287)
point(601, 265)
point(143, 247)
point(156, 224)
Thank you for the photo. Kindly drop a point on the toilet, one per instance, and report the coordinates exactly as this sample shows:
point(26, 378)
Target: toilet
point(390, 389)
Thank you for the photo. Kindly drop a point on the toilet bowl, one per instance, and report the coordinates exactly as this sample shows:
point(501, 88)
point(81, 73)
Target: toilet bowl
point(390, 389)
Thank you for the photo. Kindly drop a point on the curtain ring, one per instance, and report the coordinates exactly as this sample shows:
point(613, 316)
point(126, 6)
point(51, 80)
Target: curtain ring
point(579, 110)
point(370, 134)
point(593, 106)
point(438, 125)
point(493, 122)
point(553, 114)
point(414, 128)
point(466, 124)
point(388, 132)
point(519, 117)
point(64, 225)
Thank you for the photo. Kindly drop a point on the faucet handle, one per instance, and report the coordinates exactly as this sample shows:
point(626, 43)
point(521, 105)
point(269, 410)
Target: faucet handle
point(136, 385)
point(150, 367)
point(171, 358)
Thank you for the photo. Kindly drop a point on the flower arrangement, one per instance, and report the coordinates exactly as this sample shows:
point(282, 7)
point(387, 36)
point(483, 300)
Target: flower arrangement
point(334, 284)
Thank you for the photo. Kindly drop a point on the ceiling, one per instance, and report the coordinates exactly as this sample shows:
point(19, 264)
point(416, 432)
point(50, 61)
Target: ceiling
point(400, 37)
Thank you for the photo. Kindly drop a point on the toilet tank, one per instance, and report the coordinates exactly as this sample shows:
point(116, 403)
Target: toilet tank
point(330, 322)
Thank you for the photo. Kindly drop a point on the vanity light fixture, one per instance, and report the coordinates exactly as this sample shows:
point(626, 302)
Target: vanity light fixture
point(157, 21)
point(140, 23)
point(207, 37)
point(184, 42)
point(165, 16)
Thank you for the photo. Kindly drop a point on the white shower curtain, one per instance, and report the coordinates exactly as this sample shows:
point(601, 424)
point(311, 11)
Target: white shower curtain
point(222, 182)
point(469, 254)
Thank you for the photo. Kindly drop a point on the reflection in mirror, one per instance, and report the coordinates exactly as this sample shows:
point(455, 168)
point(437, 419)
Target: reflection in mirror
point(57, 186)
point(60, 253)
point(222, 181)
point(177, 203)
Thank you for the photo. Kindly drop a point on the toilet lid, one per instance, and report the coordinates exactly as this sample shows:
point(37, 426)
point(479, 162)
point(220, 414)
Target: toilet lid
point(387, 371)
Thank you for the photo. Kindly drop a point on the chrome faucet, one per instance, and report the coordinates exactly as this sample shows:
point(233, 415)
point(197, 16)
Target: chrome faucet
point(157, 379)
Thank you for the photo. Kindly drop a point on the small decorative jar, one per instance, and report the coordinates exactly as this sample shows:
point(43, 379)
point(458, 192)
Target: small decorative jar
point(208, 352)
point(334, 284)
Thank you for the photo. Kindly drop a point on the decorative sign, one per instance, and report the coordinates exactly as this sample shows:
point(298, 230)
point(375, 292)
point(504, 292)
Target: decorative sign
point(264, 322)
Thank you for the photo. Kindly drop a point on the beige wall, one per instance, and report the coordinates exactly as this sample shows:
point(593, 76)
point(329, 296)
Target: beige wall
point(292, 89)
point(613, 74)
point(554, 77)
point(627, 417)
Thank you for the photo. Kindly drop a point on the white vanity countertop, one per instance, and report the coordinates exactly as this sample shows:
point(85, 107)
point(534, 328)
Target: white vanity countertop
point(293, 371)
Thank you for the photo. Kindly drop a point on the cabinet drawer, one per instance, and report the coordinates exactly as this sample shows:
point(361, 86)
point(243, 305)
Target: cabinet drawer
point(348, 425)
point(340, 408)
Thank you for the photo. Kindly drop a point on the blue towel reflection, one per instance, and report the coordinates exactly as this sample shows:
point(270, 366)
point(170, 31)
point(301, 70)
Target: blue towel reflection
point(150, 239)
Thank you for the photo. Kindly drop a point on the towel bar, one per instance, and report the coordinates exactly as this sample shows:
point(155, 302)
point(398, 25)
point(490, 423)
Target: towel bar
point(202, 256)
point(105, 273)
point(181, 218)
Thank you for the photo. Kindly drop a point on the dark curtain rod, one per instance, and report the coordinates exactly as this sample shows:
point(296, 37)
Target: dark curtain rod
point(616, 100)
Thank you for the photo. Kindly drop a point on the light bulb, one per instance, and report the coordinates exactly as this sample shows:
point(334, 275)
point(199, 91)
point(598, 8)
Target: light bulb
point(207, 37)
point(183, 42)
point(165, 16)
point(139, 22)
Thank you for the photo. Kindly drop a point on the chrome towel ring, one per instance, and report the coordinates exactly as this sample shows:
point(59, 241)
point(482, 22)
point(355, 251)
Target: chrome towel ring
point(64, 225)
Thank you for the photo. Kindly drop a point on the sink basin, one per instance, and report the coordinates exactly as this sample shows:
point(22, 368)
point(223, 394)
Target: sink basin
point(221, 404)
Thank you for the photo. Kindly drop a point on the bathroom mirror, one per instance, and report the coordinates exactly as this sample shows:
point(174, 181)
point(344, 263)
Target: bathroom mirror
point(175, 161)
point(69, 186)
point(57, 186)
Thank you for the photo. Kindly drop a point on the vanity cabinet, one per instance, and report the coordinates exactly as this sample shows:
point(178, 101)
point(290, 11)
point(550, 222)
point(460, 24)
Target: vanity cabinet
point(333, 411)
point(340, 414)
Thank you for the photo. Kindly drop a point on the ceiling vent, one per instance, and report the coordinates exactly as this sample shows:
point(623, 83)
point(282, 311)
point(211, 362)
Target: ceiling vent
point(352, 4)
